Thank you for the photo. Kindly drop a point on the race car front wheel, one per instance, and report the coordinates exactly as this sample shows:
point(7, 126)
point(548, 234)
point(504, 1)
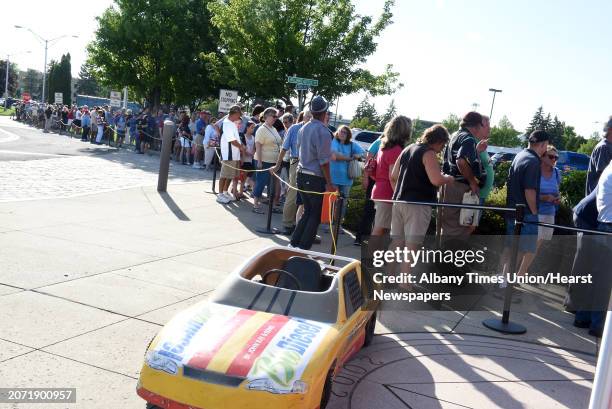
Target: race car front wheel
point(369, 330)
point(327, 388)
point(152, 406)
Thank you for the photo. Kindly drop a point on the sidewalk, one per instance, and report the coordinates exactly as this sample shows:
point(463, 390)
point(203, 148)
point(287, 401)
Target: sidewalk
point(87, 281)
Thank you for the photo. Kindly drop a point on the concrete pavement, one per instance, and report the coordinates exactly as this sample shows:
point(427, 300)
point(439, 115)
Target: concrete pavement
point(89, 274)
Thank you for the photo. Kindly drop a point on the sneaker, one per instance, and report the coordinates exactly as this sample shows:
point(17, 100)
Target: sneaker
point(221, 198)
point(195, 166)
point(230, 197)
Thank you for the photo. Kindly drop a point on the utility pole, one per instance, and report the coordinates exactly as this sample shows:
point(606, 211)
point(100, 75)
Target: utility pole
point(46, 42)
point(494, 91)
point(475, 106)
point(6, 79)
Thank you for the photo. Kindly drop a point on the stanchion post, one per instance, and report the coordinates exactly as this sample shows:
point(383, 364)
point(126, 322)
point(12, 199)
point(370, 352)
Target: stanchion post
point(505, 326)
point(336, 223)
point(271, 191)
point(164, 157)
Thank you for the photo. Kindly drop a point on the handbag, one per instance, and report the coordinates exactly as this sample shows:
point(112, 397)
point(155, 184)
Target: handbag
point(354, 167)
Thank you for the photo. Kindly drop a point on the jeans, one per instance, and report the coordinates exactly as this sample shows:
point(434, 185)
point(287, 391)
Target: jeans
point(306, 229)
point(367, 220)
point(85, 133)
point(262, 180)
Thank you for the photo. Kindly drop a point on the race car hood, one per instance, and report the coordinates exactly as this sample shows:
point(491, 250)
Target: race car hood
point(269, 351)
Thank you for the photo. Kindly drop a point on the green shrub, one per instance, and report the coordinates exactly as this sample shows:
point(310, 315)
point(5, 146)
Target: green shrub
point(356, 204)
point(493, 222)
point(501, 174)
point(572, 187)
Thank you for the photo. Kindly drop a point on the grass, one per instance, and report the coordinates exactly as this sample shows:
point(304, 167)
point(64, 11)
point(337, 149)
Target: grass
point(7, 112)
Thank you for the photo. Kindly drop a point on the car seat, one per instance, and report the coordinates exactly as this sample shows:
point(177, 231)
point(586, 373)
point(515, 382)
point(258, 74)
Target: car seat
point(307, 271)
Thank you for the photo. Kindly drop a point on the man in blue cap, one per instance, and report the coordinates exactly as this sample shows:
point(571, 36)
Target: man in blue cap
point(314, 152)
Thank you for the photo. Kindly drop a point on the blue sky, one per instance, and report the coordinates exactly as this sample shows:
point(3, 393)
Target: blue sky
point(448, 52)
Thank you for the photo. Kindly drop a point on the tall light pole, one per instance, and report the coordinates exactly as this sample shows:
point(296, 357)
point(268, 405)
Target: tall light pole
point(494, 91)
point(475, 106)
point(8, 66)
point(46, 42)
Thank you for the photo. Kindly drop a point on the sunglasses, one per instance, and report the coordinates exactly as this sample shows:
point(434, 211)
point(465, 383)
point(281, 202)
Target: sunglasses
point(552, 157)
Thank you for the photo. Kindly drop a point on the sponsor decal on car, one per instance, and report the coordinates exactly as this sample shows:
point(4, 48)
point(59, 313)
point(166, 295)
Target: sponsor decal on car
point(272, 357)
point(283, 362)
point(191, 331)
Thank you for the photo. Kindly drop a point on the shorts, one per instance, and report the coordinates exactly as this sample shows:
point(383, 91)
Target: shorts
point(228, 172)
point(383, 215)
point(410, 222)
point(185, 143)
point(529, 234)
point(198, 141)
point(545, 233)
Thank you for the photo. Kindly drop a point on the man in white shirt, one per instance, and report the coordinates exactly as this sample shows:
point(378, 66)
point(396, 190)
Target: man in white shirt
point(230, 154)
point(604, 199)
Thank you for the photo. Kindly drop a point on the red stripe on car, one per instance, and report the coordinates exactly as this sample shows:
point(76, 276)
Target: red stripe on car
point(241, 365)
point(201, 359)
point(160, 401)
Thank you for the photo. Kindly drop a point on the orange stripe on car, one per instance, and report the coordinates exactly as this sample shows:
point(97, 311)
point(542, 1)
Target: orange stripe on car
point(201, 359)
point(241, 365)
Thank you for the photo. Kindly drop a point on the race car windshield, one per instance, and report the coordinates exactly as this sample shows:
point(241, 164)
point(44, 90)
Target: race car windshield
point(251, 295)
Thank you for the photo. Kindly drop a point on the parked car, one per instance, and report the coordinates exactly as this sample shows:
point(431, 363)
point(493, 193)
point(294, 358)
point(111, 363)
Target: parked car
point(501, 157)
point(569, 161)
point(274, 335)
point(365, 138)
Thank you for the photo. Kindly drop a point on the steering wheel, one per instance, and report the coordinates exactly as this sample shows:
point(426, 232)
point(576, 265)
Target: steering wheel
point(284, 273)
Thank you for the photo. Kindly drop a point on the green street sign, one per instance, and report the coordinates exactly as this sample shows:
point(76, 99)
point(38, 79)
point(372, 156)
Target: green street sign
point(302, 81)
point(301, 87)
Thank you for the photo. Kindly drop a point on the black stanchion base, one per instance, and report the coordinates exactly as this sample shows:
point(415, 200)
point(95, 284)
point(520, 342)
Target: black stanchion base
point(509, 328)
point(264, 230)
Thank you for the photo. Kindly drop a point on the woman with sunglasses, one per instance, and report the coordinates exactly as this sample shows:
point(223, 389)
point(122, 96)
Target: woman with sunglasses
point(549, 193)
point(267, 148)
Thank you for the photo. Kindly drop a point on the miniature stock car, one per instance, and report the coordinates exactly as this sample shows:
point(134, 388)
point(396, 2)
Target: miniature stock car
point(273, 335)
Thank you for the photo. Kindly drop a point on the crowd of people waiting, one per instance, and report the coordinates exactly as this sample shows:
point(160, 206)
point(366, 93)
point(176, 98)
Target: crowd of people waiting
point(298, 157)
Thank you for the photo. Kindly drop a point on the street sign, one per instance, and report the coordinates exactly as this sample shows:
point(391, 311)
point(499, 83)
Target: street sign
point(301, 87)
point(59, 98)
point(115, 99)
point(303, 81)
point(227, 98)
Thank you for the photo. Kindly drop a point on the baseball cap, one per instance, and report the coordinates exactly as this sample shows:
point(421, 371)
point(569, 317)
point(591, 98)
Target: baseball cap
point(318, 104)
point(538, 136)
point(235, 109)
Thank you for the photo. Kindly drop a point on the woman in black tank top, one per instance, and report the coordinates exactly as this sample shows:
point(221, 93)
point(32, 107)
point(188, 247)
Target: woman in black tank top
point(416, 174)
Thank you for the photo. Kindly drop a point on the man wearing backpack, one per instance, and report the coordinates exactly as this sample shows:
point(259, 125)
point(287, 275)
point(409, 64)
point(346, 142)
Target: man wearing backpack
point(463, 162)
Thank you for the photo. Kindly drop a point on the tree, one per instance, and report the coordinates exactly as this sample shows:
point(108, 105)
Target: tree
point(60, 80)
point(588, 146)
point(537, 122)
point(365, 109)
point(387, 116)
point(504, 134)
point(164, 50)
point(264, 41)
point(571, 140)
point(364, 123)
point(32, 83)
point(451, 123)
point(12, 78)
point(88, 84)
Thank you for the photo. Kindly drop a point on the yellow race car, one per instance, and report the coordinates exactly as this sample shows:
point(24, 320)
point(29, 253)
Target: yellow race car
point(274, 335)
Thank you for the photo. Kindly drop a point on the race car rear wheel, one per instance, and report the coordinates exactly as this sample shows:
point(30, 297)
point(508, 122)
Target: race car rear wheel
point(152, 406)
point(327, 388)
point(369, 330)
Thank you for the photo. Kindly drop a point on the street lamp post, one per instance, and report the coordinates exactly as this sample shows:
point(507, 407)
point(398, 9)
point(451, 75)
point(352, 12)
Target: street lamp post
point(8, 66)
point(494, 91)
point(46, 42)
